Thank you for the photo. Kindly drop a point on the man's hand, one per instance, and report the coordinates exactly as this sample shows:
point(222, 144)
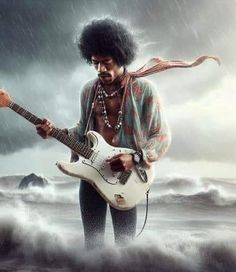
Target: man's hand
point(45, 128)
point(121, 162)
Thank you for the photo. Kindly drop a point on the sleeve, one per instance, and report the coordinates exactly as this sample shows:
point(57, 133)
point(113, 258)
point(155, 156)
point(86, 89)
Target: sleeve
point(78, 130)
point(155, 128)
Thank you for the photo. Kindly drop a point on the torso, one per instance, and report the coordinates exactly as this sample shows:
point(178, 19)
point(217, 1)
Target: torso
point(112, 107)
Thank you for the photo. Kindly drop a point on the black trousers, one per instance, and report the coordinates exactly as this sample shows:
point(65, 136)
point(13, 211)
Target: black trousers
point(93, 211)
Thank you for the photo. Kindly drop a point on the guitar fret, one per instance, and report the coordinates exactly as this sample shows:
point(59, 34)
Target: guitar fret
point(17, 108)
point(72, 142)
point(60, 136)
point(73, 145)
point(84, 153)
point(64, 137)
point(53, 133)
point(87, 153)
point(83, 148)
point(78, 147)
point(21, 111)
point(33, 118)
point(24, 113)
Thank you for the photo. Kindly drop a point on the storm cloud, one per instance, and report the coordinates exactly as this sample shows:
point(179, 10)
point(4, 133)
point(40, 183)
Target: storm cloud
point(42, 69)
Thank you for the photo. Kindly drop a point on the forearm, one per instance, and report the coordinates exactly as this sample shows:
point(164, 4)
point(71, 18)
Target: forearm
point(156, 147)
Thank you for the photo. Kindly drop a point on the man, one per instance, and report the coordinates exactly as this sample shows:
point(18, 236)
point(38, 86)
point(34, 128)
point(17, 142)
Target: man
point(126, 111)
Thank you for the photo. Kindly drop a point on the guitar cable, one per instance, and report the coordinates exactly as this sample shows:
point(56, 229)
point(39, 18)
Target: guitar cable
point(146, 215)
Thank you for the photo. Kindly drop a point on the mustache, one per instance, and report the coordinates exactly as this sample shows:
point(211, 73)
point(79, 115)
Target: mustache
point(103, 74)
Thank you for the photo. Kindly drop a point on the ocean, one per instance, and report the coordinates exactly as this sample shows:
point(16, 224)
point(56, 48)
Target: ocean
point(191, 226)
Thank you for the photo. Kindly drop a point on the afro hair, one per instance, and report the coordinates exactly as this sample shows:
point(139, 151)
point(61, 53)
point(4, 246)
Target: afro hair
point(105, 37)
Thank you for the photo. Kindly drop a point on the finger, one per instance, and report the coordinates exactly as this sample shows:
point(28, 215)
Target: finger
point(43, 130)
point(46, 127)
point(42, 133)
point(44, 121)
point(114, 157)
point(47, 122)
point(49, 131)
point(38, 127)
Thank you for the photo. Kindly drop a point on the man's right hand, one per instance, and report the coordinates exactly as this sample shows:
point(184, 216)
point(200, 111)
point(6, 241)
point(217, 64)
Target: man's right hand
point(44, 129)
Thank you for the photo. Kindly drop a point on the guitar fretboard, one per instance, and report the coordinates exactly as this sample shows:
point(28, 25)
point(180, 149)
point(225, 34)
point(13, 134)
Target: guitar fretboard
point(78, 147)
point(26, 114)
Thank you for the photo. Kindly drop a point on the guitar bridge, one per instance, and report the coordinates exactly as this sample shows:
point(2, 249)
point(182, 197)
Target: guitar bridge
point(124, 176)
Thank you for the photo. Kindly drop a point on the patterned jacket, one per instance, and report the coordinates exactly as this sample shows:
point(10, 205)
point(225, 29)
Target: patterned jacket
point(144, 125)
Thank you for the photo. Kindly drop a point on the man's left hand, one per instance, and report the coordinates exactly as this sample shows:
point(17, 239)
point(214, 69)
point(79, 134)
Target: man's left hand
point(121, 162)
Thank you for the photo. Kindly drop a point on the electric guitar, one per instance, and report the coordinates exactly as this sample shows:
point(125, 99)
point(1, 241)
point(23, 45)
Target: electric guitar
point(122, 190)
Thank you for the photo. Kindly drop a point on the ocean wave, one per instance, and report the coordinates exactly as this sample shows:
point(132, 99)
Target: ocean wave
point(209, 197)
point(172, 190)
point(51, 194)
point(179, 182)
point(184, 183)
point(212, 196)
point(34, 243)
point(13, 181)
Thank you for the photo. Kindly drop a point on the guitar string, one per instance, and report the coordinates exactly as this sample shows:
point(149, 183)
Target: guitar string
point(58, 135)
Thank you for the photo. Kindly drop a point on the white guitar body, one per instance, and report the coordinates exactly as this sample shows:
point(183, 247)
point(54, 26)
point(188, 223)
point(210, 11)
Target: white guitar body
point(122, 190)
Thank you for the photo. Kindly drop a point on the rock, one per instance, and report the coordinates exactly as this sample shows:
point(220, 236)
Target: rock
point(32, 180)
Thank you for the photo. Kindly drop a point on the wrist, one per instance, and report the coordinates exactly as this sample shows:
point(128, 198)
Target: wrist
point(137, 157)
point(65, 130)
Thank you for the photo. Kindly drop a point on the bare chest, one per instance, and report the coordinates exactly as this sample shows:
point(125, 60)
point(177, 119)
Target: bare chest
point(112, 106)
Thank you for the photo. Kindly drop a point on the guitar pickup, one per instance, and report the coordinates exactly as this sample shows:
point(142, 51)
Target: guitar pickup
point(94, 157)
point(124, 176)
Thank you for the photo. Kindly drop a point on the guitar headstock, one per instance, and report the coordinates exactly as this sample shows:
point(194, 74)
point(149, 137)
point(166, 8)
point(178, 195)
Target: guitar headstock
point(5, 99)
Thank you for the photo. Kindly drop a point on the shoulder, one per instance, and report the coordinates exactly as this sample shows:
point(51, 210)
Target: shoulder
point(144, 86)
point(89, 84)
point(87, 88)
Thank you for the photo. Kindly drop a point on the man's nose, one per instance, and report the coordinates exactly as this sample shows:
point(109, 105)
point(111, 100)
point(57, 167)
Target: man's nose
point(101, 67)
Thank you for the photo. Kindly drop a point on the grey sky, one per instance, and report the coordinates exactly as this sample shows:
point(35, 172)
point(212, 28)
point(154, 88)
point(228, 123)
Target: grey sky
point(41, 68)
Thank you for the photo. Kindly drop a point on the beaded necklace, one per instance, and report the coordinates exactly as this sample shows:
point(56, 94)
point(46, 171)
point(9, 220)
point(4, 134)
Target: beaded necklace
point(114, 93)
point(101, 94)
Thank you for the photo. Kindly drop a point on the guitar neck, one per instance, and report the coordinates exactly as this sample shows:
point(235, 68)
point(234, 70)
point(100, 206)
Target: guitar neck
point(78, 147)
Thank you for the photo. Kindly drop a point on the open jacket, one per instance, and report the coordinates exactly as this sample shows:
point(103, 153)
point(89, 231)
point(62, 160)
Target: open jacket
point(144, 126)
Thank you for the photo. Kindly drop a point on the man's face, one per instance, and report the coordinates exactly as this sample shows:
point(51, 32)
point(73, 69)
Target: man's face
point(107, 68)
